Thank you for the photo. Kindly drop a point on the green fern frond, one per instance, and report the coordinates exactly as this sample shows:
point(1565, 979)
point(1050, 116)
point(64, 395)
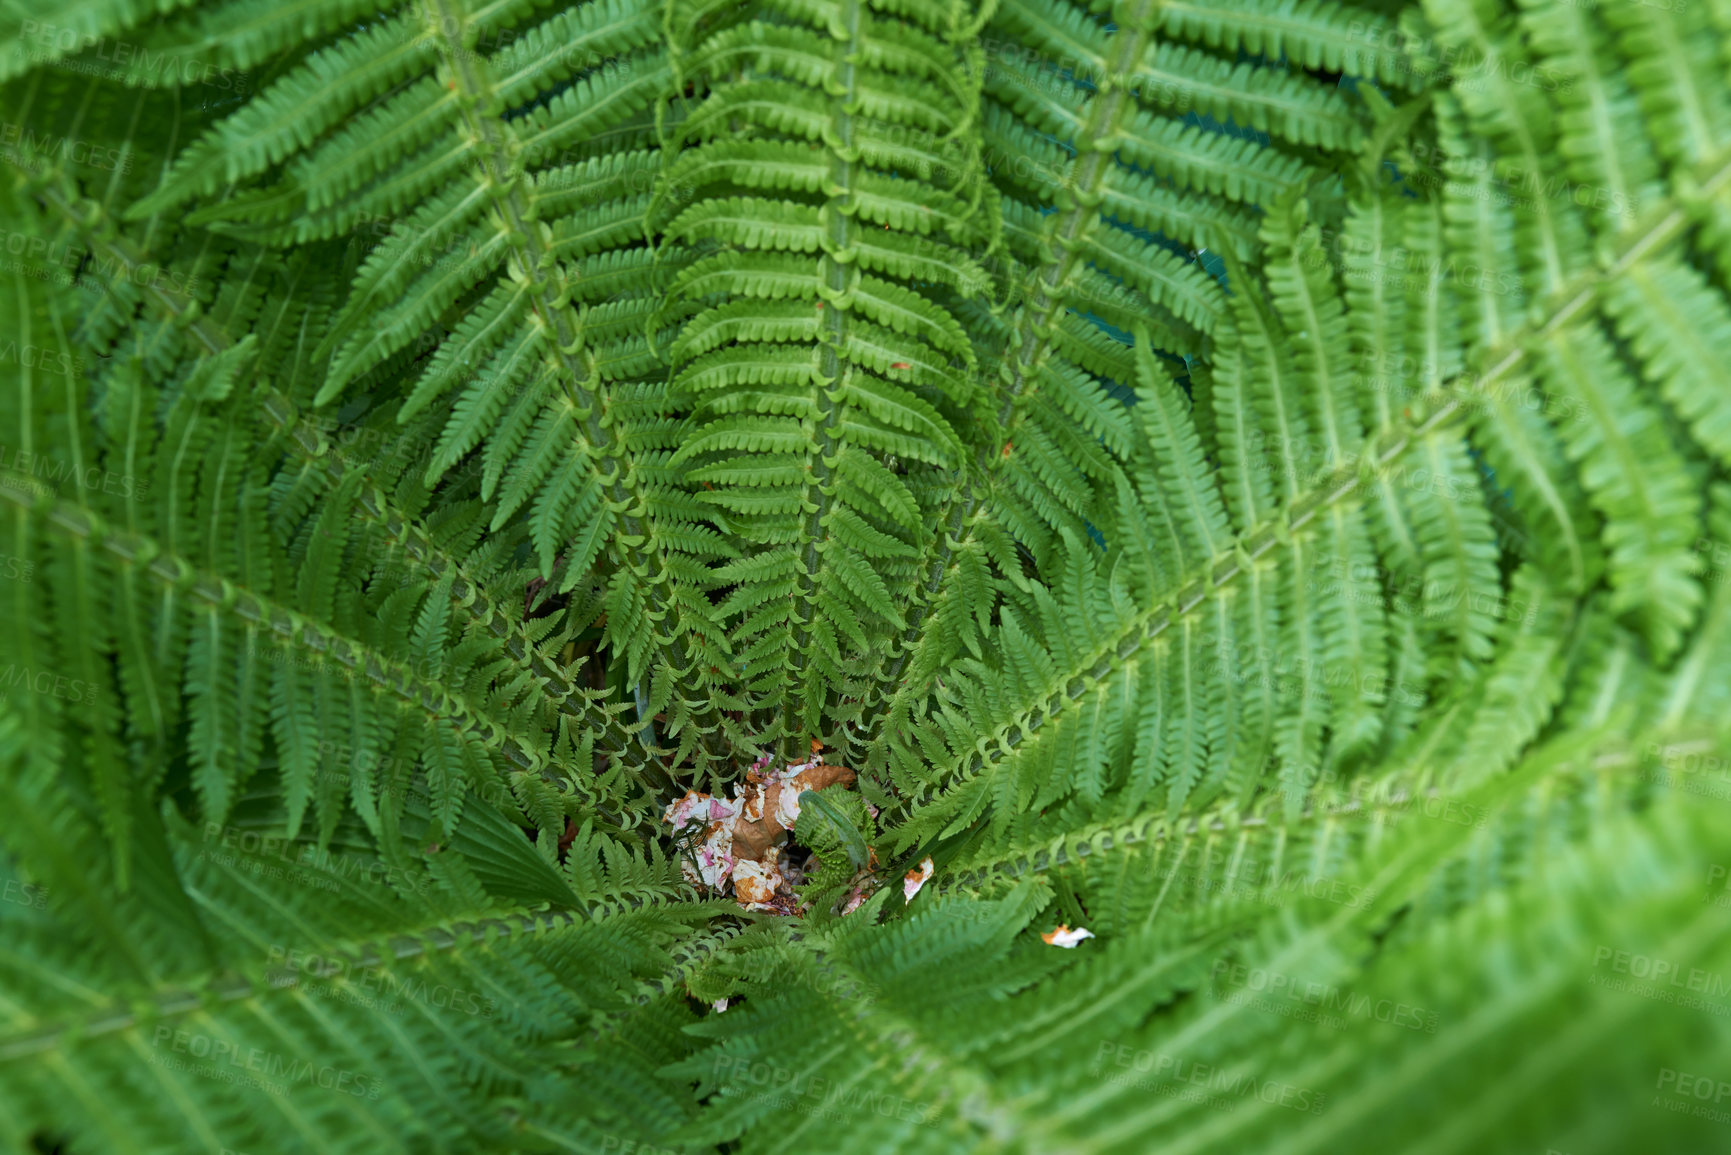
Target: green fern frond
point(882, 574)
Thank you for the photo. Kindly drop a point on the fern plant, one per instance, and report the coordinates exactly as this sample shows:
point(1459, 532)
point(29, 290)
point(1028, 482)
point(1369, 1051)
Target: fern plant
point(865, 574)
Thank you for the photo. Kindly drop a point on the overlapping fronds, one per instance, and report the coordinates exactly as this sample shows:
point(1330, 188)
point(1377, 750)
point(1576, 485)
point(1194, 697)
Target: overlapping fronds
point(1226, 499)
point(826, 176)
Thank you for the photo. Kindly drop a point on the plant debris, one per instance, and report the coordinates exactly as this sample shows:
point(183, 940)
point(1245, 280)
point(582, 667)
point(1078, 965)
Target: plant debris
point(737, 842)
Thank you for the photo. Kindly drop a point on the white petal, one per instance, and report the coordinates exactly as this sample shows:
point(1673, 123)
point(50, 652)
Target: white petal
point(715, 856)
point(787, 804)
point(1067, 938)
point(681, 812)
point(914, 879)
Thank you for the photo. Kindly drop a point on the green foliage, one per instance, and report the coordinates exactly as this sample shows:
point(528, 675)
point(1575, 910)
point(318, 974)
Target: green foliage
point(1246, 478)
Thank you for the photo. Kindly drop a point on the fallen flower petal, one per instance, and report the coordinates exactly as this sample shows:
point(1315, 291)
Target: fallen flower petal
point(714, 855)
point(755, 883)
point(811, 776)
point(750, 801)
point(914, 879)
point(1065, 937)
point(787, 806)
point(679, 813)
point(715, 861)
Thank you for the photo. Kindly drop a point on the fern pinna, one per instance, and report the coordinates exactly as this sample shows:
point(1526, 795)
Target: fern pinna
point(871, 574)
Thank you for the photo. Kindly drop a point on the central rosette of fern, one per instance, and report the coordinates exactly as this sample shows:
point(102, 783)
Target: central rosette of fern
point(820, 208)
